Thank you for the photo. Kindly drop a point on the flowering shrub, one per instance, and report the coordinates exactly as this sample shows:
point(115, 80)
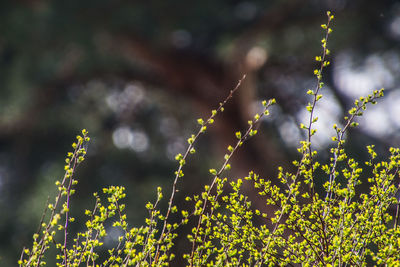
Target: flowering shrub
point(335, 226)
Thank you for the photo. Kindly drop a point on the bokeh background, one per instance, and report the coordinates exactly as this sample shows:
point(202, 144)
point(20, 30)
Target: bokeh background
point(137, 74)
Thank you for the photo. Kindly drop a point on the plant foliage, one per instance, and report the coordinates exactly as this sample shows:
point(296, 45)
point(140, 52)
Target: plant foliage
point(301, 224)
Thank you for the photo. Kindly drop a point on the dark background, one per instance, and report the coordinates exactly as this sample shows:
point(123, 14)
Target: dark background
point(137, 74)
